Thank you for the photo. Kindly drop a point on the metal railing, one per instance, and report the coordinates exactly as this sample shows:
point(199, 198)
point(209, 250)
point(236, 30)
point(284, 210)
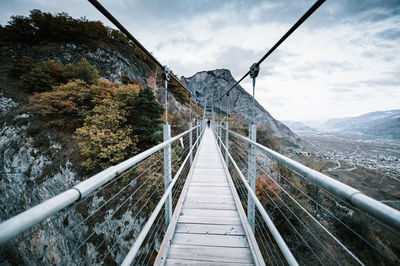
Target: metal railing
point(104, 215)
point(247, 190)
point(321, 220)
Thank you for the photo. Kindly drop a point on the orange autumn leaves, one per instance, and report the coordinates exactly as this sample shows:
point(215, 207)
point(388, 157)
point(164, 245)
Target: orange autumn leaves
point(266, 189)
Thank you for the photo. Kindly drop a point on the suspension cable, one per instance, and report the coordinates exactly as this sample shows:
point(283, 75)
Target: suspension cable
point(281, 40)
point(114, 21)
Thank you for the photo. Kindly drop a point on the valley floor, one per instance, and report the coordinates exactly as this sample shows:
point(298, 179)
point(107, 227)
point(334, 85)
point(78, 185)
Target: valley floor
point(371, 166)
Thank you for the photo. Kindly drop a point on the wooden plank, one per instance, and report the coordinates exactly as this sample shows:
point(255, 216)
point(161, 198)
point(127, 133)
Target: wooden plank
point(212, 254)
point(210, 176)
point(213, 184)
point(214, 229)
point(210, 172)
point(177, 262)
point(209, 206)
point(210, 240)
point(209, 179)
point(211, 190)
point(209, 197)
point(208, 220)
point(214, 196)
point(221, 200)
point(216, 189)
point(208, 162)
point(216, 213)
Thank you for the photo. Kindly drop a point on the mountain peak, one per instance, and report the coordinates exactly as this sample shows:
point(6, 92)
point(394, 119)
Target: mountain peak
point(219, 73)
point(213, 83)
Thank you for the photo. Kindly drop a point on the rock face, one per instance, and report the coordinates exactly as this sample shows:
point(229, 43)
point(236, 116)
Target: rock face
point(23, 183)
point(214, 83)
point(110, 61)
point(52, 242)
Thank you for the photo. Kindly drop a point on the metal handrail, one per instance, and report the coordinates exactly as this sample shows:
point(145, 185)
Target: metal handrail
point(354, 197)
point(291, 260)
point(139, 240)
point(25, 220)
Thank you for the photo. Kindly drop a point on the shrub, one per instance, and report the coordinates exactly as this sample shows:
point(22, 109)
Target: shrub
point(266, 189)
point(145, 117)
point(38, 79)
point(33, 128)
point(104, 140)
point(106, 137)
point(44, 75)
point(83, 71)
point(68, 104)
point(22, 66)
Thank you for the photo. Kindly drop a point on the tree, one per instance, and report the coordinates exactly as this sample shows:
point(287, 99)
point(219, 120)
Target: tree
point(38, 79)
point(104, 140)
point(22, 66)
point(145, 117)
point(82, 71)
point(43, 75)
point(67, 105)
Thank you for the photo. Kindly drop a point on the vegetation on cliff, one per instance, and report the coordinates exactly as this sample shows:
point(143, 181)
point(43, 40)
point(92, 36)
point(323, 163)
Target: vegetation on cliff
point(109, 123)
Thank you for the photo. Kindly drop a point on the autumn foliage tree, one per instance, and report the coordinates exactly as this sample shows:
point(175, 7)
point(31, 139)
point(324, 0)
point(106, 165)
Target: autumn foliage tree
point(110, 123)
point(67, 105)
point(105, 138)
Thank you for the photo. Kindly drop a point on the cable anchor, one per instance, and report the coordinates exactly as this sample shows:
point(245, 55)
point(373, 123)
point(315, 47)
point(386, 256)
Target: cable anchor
point(165, 73)
point(254, 70)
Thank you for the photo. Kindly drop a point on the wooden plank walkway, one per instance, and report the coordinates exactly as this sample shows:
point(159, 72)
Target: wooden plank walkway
point(209, 226)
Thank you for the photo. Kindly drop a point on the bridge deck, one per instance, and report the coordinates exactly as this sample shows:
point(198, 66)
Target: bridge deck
point(209, 226)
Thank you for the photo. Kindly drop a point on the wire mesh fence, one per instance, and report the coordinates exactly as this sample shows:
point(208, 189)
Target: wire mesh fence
point(101, 228)
point(318, 227)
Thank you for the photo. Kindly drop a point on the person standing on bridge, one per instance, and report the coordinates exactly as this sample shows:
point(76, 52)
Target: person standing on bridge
point(208, 122)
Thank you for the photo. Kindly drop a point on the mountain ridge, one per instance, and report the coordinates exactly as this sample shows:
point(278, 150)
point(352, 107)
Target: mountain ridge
point(384, 124)
point(213, 83)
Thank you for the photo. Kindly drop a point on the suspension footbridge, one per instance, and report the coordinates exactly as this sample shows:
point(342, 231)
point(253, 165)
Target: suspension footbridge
point(209, 224)
point(208, 196)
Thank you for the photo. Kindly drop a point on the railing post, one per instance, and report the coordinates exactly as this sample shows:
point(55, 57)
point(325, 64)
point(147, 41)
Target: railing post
point(212, 112)
point(220, 134)
point(167, 150)
point(167, 174)
point(226, 143)
point(251, 160)
point(251, 168)
point(190, 142)
point(198, 129)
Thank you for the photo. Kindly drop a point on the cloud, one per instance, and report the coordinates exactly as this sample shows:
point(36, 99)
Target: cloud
point(342, 61)
point(392, 34)
point(340, 90)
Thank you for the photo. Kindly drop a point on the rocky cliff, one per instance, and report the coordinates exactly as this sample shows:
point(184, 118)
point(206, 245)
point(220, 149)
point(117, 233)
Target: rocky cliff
point(23, 185)
point(215, 82)
point(24, 180)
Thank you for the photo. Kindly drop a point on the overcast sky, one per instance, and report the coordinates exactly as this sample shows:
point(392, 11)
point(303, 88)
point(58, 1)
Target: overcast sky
point(343, 61)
